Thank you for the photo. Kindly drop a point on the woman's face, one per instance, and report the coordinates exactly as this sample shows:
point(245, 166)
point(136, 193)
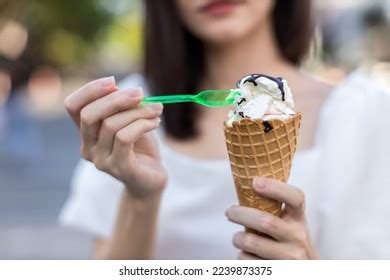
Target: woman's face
point(224, 21)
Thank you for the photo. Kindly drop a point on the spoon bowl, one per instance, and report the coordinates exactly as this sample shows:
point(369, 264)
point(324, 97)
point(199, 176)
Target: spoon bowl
point(209, 98)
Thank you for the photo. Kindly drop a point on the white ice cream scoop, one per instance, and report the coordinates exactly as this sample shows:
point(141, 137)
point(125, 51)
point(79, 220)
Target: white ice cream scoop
point(262, 97)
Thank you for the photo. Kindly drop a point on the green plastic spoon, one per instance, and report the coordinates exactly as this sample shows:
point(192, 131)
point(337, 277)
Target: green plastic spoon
point(210, 98)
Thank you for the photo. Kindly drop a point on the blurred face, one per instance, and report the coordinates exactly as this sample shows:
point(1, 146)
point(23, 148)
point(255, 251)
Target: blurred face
point(224, 21)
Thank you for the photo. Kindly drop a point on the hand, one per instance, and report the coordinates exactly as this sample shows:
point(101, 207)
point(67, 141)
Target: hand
point(115, 134)
point(286, 237)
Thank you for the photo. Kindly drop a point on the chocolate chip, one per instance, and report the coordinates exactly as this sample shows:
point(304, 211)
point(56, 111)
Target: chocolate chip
point(267, 127)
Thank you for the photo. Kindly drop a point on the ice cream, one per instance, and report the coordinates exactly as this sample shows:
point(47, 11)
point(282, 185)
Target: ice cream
point(262, 97)
point(261, 137)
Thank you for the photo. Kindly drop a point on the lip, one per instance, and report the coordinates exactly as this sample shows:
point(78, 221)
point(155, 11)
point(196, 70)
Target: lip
point(220, 7)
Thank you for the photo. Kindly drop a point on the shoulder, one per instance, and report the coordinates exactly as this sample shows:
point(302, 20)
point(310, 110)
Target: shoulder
point(356, 110)
point(360, 85)
point(357, 95)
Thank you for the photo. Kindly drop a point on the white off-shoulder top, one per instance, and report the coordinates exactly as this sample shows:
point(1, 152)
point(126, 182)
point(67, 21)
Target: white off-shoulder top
point(345, 176)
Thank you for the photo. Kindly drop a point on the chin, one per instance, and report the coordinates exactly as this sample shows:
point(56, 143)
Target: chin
point(222, 39)
point(223, 32)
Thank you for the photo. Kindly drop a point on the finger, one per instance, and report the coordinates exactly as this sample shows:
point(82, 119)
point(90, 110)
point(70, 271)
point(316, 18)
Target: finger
point(260, 221)
point(248, 257)
point(77, 100)
point(111, 125)
point(127, 136)
point(293, 197)
point(95, 112)
point(260, 246)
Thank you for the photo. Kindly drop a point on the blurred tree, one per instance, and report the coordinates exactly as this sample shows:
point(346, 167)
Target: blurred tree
point(59, 32)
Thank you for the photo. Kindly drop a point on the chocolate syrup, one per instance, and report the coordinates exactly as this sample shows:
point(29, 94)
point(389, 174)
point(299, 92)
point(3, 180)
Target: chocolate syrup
point(253, 77)
point(267, 126)
point(241, 101)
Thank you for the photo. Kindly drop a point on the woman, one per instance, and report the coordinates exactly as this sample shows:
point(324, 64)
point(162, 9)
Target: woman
point(168, 191)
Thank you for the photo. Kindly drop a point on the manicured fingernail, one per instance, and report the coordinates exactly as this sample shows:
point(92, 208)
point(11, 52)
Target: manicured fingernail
point(107, 82)
point(135, 92)
point(158, 107)
point(259, 183)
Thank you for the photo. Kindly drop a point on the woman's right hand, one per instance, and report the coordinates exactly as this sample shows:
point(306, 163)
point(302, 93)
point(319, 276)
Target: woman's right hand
point(116, 134)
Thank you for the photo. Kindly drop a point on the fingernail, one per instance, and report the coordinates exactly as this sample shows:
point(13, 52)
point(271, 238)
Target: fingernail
point(158, 107)
point(227, 212)
point(107, 82)
point(135, 92)
point(259, 183)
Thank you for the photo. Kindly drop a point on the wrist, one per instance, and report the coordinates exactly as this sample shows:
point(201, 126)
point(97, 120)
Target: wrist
point(143, 203)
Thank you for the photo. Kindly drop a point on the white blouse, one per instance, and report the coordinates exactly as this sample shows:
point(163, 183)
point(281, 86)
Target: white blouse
point(346, 179)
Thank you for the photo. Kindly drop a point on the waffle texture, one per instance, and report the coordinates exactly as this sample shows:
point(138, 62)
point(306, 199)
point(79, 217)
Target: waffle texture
point(261, 149)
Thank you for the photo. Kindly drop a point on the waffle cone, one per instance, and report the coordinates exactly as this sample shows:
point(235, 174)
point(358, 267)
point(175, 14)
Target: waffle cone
point(255, 152)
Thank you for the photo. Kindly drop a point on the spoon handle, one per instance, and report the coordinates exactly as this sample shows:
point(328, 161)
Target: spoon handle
point(166, 99)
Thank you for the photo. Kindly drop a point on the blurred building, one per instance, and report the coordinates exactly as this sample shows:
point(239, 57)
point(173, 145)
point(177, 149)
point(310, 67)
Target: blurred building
point(355, 32)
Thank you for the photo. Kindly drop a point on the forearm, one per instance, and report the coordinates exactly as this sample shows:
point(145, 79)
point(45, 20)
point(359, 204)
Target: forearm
point(134, 232)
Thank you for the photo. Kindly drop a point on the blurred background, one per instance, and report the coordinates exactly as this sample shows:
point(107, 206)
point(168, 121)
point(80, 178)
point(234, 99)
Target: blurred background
point(48, 48)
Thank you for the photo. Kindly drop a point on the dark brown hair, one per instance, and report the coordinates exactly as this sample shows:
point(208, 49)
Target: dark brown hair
point(174, 61)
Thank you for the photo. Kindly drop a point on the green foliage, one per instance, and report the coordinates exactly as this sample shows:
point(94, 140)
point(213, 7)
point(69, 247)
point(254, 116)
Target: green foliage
point(67, 34)
point(41, 16)
point(83, 18)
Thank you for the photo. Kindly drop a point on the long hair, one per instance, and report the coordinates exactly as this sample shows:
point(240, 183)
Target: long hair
point(174, 58)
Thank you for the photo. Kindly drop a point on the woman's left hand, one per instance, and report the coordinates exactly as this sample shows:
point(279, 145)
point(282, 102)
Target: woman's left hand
point(286, 237)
